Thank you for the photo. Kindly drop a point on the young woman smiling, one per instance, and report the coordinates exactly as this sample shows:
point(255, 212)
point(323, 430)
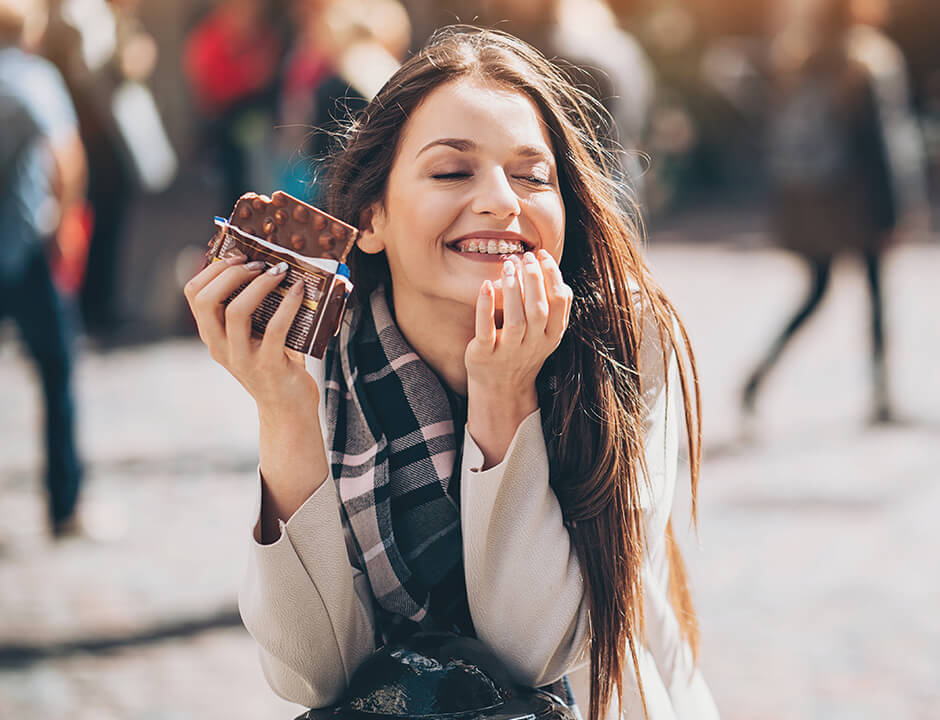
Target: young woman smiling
point(490, 445)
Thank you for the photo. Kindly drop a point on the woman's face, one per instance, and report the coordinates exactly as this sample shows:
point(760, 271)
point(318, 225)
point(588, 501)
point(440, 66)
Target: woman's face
point(474, 171)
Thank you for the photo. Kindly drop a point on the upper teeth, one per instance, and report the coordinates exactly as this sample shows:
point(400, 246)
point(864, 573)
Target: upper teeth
point(492, 247)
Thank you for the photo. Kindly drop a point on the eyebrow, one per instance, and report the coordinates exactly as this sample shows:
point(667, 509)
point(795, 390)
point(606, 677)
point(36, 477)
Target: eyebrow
point(464, 145)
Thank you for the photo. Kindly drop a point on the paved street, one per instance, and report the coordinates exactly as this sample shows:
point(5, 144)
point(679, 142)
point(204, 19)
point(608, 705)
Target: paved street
point(815, 567)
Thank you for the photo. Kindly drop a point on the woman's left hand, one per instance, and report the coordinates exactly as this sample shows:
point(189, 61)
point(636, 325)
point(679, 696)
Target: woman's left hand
point(502, 364)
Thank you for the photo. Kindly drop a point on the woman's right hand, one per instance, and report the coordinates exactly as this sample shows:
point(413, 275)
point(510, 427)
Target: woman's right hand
point(275, 376)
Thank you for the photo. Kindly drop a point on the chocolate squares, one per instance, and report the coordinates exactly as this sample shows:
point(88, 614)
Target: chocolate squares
point(286, 221)
point(314, 246)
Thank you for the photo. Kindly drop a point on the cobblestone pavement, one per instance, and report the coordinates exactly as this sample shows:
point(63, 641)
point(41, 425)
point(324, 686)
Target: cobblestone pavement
point(814, 569)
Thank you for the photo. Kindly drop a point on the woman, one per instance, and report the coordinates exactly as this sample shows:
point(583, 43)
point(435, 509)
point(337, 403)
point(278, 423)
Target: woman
point(487, 219)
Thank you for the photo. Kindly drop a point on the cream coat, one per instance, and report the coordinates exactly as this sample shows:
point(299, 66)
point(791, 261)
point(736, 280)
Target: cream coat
point(310, 610)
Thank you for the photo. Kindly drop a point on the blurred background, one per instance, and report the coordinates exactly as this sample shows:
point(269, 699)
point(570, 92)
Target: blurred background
point(785, 156)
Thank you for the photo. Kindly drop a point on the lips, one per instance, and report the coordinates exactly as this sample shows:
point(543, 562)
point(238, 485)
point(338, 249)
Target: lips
point(492, 243)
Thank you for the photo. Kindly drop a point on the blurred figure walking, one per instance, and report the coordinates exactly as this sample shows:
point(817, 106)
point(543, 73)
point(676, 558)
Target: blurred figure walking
point(98, 46)
point(42, 181)
point(904, 139)
point(343, 53)
point(832, 185)
point(307, 66)
point(231, 61)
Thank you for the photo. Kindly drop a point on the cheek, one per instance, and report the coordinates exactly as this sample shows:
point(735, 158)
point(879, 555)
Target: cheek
point(419, 224)
point(548, 214)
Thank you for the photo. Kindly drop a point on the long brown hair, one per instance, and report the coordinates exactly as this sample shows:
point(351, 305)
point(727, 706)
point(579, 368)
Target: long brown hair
point(589, 387)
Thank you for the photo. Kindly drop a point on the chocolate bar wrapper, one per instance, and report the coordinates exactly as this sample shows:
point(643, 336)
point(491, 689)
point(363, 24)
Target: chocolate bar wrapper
point(326, 286)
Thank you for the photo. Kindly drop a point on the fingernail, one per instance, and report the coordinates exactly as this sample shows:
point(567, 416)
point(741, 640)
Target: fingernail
point(255, 265)
point(498, 285)
point(278, 269)
point(298, 288)
point(486, 288)
point(529, 259)
point(543, 254)
point(509, 268)
point(235, 259)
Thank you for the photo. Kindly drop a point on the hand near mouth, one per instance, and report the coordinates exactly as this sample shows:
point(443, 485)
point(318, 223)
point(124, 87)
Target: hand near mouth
point(503, 363)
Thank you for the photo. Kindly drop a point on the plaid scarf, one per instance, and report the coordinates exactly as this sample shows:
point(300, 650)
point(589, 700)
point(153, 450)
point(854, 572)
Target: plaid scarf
point(395, 463)
point(395, 458)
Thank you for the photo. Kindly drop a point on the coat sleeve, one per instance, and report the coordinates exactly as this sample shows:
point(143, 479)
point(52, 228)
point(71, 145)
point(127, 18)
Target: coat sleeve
point(524, 583)
point(674, 686)
point(307, 608)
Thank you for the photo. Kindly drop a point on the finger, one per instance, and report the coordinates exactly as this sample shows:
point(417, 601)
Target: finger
point(486, 316)
point(239, 311)
point(498, 304)
point(275, 334)
point(513, 312)
point(558, 294)
point(295, 356)
point(520, 277)
point(209, 273)
point(207, 305)
point(536, 300)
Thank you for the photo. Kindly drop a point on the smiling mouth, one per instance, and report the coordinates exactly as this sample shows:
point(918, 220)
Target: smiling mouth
point(490, 246)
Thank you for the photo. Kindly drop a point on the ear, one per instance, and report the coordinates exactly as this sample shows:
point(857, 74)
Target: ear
point(372, 222)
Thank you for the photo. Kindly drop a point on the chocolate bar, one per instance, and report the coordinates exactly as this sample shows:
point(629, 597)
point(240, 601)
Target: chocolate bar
point(259, 227)
point(286, 221)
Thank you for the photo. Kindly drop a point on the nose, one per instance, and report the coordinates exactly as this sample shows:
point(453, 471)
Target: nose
point(495, 196)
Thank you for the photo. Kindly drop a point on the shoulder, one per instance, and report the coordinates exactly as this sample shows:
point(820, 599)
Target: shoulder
point(28, 68)
point(876, 51)
point(40, 87)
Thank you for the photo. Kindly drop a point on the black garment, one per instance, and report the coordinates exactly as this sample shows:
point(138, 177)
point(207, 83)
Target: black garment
point(831, 184)
point(222, 140)
point(110, 192)
point(335, 103)
point(112, 182)
point(820, 272)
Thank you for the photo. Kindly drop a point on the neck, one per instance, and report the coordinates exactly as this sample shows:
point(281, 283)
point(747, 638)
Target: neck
point(440, 338)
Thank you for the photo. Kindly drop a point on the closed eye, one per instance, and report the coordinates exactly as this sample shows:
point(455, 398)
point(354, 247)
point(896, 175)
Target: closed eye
point(534, 180)
point(451, 176)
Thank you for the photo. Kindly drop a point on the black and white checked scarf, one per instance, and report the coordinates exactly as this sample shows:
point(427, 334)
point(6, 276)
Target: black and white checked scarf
point(395, 459)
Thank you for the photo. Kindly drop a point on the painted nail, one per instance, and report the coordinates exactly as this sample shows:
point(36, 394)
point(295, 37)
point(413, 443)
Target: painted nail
point(543, 255)
point(235, 259)
point(509, 268)
point(297, 288)
point(529, 259)
point(486, 288)
point(278, 269)
point(255, 265)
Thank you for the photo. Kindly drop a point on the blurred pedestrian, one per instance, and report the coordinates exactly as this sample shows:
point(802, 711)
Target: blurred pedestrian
point(307, 65)
point(99, 45)
point(231, 63)
point(42, 181)
point(903, 137)
point(346, 52)
point(832, 185)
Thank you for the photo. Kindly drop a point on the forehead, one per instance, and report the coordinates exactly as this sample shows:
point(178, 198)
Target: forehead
point(490, 114)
